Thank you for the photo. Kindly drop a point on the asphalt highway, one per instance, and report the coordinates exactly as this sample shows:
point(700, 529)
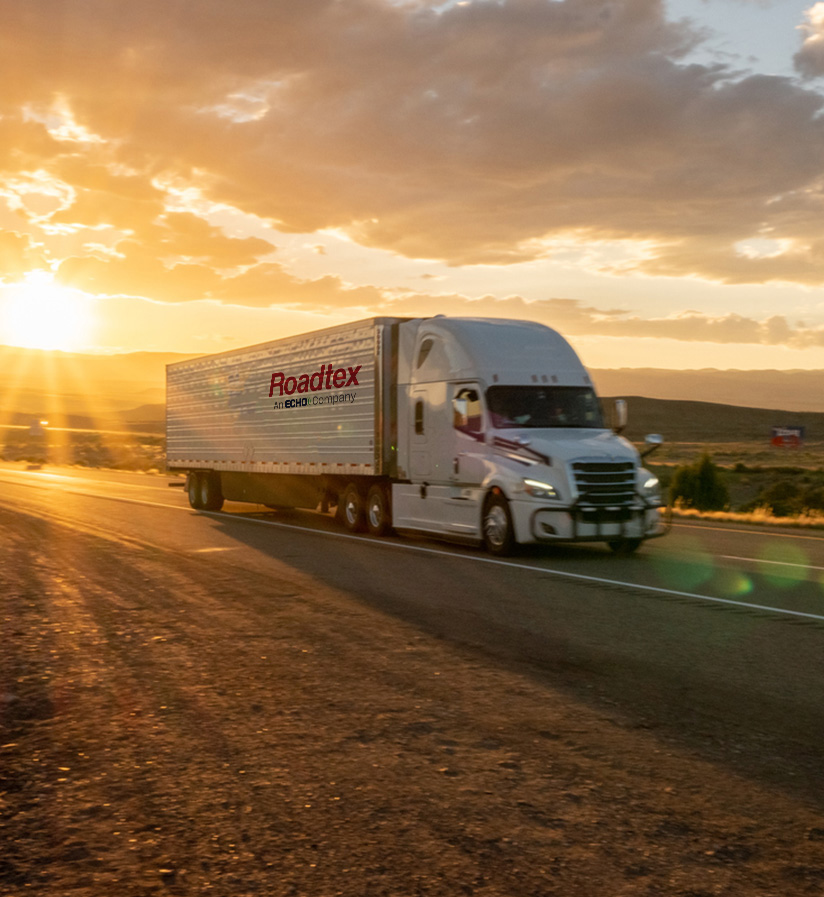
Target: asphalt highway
point(258, 702)
point(714, 632)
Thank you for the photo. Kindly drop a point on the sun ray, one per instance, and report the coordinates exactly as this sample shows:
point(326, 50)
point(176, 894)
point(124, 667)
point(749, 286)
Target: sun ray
point(39, 315)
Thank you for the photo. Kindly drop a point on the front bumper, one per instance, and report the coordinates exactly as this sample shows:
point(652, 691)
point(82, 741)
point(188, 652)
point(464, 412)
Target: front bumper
point(585, 524)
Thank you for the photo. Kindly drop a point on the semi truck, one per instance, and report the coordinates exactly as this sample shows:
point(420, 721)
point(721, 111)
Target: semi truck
point(480, 430)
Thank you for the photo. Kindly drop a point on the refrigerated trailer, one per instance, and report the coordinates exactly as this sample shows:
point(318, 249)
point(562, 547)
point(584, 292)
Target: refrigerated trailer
point(479, 430)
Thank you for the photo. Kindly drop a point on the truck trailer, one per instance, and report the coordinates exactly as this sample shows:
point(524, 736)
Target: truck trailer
point(480, 430)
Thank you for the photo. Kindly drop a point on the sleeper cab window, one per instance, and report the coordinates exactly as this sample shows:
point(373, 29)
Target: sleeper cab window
point(424, 350)
point(419, 417)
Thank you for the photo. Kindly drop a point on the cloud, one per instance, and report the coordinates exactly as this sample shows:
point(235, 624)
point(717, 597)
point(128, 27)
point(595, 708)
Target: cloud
point(128, 203)
point(270, 284)
point(472, 134)
point(18, 255)
point(809, 60)
point(139, 271)
point(574, 318)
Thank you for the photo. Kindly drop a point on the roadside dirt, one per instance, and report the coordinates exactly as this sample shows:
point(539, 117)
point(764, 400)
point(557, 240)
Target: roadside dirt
point(178, 725)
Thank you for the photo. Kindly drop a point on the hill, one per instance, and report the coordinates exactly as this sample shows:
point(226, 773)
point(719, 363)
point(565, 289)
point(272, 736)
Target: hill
point(34, 381)
point(709, 422)
point(789, 391)
point(127, 392)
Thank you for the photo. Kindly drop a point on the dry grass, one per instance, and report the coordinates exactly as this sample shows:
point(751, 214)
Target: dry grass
point(747, 468)
point(760, 517)
point(751, 454)
point(85, 449)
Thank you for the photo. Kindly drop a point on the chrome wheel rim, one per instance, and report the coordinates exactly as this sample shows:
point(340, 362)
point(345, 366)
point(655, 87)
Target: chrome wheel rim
point(496, 525)
point(375, 513)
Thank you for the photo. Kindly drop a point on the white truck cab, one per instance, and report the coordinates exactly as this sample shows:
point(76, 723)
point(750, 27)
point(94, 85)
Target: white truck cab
point(503, 441)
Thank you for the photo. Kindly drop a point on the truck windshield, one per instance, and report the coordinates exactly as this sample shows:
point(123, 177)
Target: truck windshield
point(512, 407)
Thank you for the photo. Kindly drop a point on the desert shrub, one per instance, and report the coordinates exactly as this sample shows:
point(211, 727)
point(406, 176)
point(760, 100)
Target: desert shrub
point(786, 498)
point(699, 485)
point(812, 499)
point(783, 496)
point(32, 450)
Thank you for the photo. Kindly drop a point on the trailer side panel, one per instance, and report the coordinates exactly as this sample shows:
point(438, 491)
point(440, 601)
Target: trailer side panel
point(307, 404)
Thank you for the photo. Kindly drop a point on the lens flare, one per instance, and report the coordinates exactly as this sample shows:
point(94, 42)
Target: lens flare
point(692, 566)
point(784, 565)
point(733, 583)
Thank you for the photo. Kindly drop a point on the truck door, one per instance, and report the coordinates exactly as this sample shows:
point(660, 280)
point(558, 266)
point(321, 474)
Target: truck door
point(420, 461)
point(447, 449)
point(465, 449)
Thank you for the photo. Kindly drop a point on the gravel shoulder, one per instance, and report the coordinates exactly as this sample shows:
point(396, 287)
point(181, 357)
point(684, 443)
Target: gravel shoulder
point(175, 725)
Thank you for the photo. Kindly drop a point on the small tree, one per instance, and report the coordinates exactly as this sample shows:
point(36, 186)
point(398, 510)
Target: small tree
point(700, 486)
point(783, 497)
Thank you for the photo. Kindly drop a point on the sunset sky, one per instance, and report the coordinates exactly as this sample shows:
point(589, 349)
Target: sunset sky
point(647, 177)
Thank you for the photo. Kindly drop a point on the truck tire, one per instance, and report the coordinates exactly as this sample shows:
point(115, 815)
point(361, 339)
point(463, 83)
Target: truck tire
point(211, 495)
point(498, 533)
point(378, 513)
point(354, 516)
point(624, 546)
point(194, 490)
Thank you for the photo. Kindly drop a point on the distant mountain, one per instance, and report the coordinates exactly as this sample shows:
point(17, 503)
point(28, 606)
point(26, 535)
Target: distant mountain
point(38, 382)
point(60, 385)
point(789, 391)
point(74, 373)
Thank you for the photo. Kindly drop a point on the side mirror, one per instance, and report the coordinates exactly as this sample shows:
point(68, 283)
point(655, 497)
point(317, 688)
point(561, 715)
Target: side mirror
point(619, 416)
point(653, 441)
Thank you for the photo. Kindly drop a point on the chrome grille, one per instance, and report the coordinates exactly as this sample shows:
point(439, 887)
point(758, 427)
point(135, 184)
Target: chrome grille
point(603, 484)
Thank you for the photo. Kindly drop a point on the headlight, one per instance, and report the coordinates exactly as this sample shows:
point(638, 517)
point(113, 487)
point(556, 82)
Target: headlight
point(537, 489)
point(651, 490)
point(652, 486)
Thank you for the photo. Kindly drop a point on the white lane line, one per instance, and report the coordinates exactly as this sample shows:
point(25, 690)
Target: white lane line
point(548, 570)
point(482, 559)
point(210, 550)
point(748, 532)
point(732, 557)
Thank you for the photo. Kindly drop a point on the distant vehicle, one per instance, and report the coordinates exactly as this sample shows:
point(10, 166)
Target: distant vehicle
point(479, 430)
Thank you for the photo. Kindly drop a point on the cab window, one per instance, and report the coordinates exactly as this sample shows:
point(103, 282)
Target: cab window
point(467, 414)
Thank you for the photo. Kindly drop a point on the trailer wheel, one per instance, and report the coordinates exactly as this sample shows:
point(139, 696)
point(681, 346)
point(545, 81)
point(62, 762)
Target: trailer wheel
point(211, 495)
point(498, 533)
point(378, 513)
point(624, 546)
point(194, 490)
point(354, 518)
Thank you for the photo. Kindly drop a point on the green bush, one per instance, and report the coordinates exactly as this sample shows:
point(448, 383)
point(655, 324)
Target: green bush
point(786, 498)
point(699, 486)
point(783, 497)
point(813, 498)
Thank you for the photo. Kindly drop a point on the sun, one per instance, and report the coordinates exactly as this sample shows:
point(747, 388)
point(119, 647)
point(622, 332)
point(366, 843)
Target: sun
point(40, 314)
